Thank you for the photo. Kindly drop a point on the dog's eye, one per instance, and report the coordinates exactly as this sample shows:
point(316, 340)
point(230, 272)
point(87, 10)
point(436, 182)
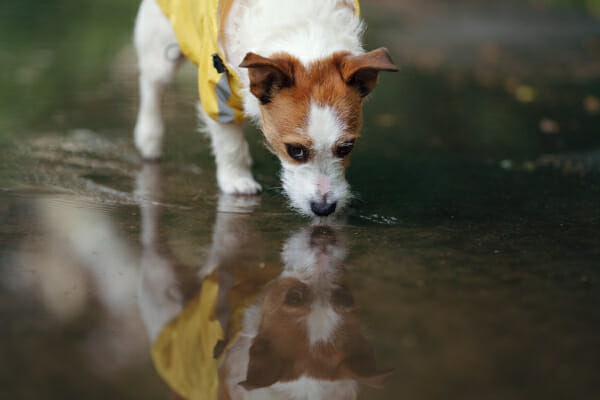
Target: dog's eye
point(342, 297)
point(344, 149)
point(297, 152)
point(297, 296)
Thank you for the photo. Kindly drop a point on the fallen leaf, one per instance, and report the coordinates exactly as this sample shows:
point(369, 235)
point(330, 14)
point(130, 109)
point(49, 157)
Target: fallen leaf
point(549, 126)
point(591, 104)
point(525, 93)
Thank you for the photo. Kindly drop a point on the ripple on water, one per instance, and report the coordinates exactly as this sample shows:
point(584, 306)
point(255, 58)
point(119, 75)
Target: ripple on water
point(380, 219)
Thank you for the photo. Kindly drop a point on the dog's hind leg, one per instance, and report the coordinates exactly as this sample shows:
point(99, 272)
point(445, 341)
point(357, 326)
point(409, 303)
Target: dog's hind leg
point(232, 156)
point(158, 59)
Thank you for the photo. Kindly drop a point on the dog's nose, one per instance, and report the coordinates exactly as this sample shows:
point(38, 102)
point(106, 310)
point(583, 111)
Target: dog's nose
point(322, 209)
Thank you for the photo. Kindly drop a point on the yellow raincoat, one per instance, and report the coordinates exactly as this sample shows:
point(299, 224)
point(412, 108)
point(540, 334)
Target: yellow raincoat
point(183, 353)
point(197, 25)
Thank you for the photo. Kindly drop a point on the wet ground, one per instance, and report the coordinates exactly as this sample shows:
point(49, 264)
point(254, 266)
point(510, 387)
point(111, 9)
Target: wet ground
point(469, 262)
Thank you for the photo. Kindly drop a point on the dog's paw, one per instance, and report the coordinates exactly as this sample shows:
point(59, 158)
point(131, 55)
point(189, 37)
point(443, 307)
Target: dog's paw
point(150, 148)
point(245, 185)
point(148, 139)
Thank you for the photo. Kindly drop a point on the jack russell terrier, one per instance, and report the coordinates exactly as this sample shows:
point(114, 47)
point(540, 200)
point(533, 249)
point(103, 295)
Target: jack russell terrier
point(296, 68)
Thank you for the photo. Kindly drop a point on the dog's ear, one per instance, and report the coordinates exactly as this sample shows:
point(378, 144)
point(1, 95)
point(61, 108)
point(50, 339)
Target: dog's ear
point(362, 369)
point(359, 363)
point(268, 75)
point(362, 71)
point(265, 367)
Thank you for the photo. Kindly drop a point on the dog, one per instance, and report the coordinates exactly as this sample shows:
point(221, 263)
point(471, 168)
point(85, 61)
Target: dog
point(296, 68)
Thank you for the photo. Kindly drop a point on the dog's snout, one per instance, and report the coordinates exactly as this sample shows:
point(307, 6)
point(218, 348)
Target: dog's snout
point(323, 208)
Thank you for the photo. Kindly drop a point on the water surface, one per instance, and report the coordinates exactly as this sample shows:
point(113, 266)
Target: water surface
point(468, 263)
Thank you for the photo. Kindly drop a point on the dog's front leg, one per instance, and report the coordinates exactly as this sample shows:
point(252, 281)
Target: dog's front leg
point(232, 156)
point(159, 296)
point(158, 59)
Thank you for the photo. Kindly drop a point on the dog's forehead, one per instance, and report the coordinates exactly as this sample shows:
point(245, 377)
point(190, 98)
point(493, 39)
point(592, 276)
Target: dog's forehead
point(331, 98)
point(319, 97)
point(324, 126)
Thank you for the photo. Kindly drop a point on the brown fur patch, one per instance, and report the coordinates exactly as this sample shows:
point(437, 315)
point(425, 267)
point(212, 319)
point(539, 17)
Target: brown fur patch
point(281, 351)
point(285, 117)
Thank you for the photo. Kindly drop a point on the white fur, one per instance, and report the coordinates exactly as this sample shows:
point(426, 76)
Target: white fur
point(307, 29)
point(318, 267)
point(323, 177)
point(153, 37)
point(306, 262)
point(307, 388)
point(321, 323)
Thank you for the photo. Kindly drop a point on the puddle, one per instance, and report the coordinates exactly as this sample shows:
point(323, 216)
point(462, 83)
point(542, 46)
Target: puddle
point(466, 267)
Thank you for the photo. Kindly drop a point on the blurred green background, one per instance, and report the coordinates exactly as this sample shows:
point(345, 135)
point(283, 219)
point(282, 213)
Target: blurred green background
point(59, 59)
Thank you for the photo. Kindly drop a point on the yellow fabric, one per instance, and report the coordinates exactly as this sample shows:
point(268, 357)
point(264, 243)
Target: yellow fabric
point(196, 24)
point(183, 353)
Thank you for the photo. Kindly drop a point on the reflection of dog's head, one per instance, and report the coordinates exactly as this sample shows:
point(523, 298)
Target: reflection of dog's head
point(308, 329)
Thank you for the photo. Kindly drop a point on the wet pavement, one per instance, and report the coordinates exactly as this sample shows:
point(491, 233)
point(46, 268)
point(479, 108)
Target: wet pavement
point(467, 267)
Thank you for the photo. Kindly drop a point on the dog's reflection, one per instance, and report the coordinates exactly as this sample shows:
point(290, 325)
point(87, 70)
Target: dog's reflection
point(250, 330)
